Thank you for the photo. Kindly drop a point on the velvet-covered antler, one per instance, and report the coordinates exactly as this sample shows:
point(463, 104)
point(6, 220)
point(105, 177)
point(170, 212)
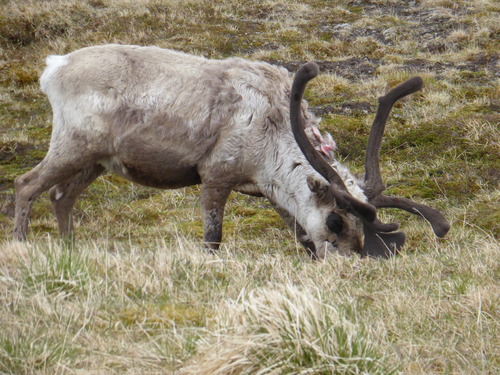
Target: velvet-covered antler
point(373, 180)
point(378, 240)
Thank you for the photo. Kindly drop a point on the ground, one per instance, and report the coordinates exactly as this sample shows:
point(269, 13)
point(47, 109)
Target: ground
point(135, 293)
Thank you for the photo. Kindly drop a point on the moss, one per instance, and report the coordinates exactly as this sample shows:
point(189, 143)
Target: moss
point(424, 185)
point(157, 316)
point(261, 221)
point(484, 215)
point(240, 220)
point(16, 158)
point(350, 134)
point(245, 211)
point(195, 228)
point(466, 165)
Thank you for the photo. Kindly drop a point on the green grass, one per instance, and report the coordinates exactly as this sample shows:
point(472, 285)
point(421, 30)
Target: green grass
point(136, 293)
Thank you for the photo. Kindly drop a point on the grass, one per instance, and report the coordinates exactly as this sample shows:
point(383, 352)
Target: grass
point(131, 309)
point(136, 293)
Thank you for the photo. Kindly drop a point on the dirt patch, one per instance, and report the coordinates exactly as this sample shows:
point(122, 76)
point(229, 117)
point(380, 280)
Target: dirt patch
point(361, 68)
point(346, 109)
point(476, 64)
point(351, 68)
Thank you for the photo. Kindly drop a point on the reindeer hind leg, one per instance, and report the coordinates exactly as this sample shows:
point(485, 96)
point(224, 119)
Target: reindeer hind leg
point(64, 195)
point(53, 169)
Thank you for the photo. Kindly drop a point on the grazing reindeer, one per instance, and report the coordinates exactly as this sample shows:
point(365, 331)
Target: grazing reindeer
point(380, 239)
point(166, 119)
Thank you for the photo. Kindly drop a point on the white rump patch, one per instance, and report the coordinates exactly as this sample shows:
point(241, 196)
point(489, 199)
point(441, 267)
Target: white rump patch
point(54, 62)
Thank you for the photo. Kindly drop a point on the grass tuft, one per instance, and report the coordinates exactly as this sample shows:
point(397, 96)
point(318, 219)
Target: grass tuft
point(288, 331)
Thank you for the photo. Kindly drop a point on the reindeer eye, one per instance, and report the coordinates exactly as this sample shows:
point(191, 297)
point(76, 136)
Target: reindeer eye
point(335, 223)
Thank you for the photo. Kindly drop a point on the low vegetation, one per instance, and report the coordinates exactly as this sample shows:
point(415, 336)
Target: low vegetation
point(136, 293)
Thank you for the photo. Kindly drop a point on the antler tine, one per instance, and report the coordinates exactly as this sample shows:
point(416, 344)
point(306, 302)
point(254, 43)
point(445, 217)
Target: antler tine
point(374, 185)
point(439, 224)
point(363, 210)
point(305, 73)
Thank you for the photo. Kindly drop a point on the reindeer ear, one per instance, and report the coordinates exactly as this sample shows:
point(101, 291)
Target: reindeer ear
point(317, 186)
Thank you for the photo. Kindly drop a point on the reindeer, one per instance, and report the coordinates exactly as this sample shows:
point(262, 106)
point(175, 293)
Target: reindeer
point(167, 119)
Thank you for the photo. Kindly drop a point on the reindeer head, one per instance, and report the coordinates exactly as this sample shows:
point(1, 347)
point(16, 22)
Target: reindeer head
point(344, 214)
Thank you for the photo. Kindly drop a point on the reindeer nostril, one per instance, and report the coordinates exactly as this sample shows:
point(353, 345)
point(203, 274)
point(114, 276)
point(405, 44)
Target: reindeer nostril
point(335, 223)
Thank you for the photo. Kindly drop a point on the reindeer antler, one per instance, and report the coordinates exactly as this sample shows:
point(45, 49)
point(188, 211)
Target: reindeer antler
point(304, 74)
point(373, 180)
point(378, 240)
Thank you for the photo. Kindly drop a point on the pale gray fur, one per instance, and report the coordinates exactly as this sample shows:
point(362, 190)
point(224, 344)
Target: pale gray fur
point(167, 119)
